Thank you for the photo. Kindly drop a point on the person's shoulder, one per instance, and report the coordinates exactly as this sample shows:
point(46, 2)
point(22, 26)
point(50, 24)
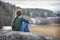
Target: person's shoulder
point(20, 17)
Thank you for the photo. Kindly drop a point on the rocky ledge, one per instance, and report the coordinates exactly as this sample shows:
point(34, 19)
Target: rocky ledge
point(16, 35)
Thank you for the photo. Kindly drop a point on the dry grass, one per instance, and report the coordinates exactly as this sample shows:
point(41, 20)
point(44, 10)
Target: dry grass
point(50, 30)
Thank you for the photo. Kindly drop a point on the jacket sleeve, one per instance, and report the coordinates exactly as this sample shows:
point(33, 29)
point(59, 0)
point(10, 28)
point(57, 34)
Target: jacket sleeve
point(25, 20)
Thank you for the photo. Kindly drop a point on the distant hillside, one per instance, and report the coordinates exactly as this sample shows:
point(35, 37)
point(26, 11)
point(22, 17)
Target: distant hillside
point(35, 12)
point(6, 13)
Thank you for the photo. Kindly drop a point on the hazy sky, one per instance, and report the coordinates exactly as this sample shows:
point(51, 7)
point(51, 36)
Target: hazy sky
point(47, 4)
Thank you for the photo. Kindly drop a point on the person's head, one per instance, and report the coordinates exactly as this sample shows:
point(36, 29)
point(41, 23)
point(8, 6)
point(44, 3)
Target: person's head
point(18, 13)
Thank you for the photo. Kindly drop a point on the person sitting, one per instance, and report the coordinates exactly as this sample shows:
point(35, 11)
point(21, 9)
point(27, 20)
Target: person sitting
point(17, 23)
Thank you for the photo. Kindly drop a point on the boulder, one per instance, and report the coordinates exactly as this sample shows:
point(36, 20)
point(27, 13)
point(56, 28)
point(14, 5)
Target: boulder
point(17, 35)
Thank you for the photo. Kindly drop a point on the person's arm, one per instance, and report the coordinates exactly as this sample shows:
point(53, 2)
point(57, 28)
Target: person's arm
point(25, 20)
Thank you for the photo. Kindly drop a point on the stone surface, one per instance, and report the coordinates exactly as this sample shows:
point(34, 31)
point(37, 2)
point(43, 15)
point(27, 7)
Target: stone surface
point(16, 35)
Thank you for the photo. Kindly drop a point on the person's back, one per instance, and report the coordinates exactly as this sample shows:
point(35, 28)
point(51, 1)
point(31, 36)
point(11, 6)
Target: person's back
point(18, 23)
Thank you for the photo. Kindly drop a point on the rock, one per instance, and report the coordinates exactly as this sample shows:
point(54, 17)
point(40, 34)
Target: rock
point(17, 35)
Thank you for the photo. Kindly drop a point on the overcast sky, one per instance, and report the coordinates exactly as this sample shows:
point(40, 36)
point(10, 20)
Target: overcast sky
point(47, 4)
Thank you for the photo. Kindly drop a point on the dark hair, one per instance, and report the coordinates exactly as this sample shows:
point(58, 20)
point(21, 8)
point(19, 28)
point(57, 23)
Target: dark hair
point(18, 13)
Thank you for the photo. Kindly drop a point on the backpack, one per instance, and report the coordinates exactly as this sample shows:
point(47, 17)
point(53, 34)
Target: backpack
point(13, 27)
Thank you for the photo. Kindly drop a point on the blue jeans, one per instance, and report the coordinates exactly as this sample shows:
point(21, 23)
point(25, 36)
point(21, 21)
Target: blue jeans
point(25, 27)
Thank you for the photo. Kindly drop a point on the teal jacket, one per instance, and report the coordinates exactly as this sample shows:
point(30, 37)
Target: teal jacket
point(18, 23)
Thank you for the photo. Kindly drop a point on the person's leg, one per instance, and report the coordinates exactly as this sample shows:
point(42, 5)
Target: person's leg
point(26, 29)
